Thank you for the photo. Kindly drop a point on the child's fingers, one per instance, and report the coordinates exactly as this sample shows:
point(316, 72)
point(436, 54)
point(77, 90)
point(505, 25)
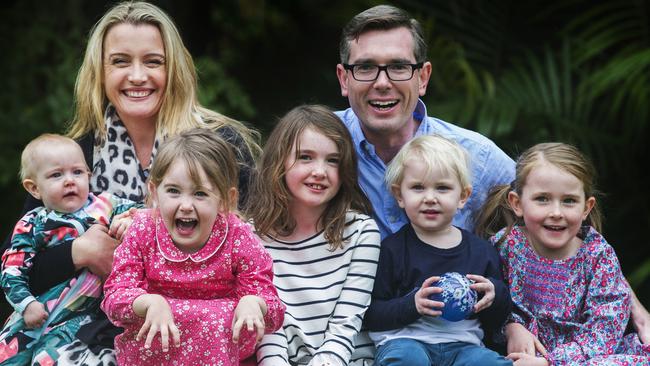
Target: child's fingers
point(484, 303)
point(152, 333)
point(176, 334)
point(164, 338)
point(259, 324)
point(516, 356)
point(539, 347)
point(429, 281)
point(476, 278)
point(236, 329)
point(120, 231)
point(143, 330)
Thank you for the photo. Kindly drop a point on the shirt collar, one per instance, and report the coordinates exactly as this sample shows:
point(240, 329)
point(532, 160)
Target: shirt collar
point(420, 114)
point(171, 253)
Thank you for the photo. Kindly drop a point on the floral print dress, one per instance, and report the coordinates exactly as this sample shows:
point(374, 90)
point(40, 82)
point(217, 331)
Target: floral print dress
point(202, 290)
point(577, 307)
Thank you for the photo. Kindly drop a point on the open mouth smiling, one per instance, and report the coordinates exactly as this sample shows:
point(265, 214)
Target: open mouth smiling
point(383, 105)
point(137, 93)
point(554, 227)
point(186, 224)
point(319, 187)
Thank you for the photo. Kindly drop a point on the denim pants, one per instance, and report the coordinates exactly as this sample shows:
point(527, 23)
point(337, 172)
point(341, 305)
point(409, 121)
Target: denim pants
point(410, 352)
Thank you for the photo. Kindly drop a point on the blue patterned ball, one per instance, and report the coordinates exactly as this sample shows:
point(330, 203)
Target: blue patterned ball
point(459, 299)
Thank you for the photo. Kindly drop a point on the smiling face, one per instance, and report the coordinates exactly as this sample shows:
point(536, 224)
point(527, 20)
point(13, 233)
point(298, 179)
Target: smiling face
point(553, 206)
point(188, 210)
point(384, 107)
point(430, 197)
point(134, 71)
point(312, 172)
point(60, 177)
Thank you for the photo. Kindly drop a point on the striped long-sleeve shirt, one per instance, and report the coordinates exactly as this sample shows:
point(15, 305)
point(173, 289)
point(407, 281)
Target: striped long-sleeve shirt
point(326, 294)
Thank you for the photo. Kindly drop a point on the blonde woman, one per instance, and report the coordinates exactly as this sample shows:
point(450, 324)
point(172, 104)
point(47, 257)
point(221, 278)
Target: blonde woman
point(136, 86)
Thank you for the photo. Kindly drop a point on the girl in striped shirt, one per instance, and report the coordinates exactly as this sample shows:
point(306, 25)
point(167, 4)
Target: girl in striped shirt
point(312, 217)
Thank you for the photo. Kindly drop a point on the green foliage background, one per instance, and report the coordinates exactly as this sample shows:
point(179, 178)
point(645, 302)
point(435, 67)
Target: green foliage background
point(520, 72)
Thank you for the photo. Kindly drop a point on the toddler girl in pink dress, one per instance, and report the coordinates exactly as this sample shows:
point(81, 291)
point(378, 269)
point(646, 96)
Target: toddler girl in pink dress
point(191, 283)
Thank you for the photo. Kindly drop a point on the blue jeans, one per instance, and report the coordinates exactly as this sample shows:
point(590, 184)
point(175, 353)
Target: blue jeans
point(409, 352)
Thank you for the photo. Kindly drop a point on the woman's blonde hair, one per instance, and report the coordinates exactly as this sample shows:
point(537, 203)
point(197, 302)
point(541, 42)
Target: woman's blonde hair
point(496, 212)
point(269, 196)
point(437, 152)
point(200, 149)
point(180, 109)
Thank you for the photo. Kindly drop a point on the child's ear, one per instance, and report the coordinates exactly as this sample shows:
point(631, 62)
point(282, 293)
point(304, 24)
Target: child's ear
point(515, 203)
point(153, 195)
point(397, 193)
point(32, 188)
point(233, 197)
point(464, 196)
point(589, 204)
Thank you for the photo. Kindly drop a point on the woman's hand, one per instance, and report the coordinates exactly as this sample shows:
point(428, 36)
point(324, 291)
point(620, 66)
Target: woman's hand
point(520, 340)
point(423, 304)
point(94, 250)
point(158, 319)
point(34, 315)
point(523, 359)
point(250, 311)
point(484, 286)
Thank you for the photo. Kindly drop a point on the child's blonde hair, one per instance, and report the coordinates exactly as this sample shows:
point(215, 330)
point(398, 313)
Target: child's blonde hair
point(269, 196)
point(200, 149)
point(437, 152)
point(30, 153)
point(496, 212)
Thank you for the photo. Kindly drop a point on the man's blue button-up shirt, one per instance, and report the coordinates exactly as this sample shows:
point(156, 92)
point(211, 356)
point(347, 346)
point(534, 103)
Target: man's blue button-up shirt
point(490, 167)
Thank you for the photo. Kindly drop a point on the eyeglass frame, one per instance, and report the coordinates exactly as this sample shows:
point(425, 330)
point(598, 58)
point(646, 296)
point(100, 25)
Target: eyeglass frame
point(380, 68)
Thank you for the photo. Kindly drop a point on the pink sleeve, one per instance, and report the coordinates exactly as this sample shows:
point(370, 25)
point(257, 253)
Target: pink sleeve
point(253, 268)
point(127, 281)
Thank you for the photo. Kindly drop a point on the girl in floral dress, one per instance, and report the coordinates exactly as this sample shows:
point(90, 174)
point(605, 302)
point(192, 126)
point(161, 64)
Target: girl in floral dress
point(565, 280)
point(191, 280)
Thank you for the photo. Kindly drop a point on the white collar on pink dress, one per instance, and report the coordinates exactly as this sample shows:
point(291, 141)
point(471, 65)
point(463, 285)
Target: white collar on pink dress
point(170, 252)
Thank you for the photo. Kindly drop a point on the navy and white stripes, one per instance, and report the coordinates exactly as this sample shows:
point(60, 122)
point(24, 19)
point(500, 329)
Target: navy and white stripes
point(326, 294)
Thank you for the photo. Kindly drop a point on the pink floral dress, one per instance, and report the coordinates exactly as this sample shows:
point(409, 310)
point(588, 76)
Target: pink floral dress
point(202, 289)
point(578, 307)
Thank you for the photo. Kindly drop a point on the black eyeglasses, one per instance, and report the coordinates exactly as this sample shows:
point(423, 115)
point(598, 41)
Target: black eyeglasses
point(370, 72)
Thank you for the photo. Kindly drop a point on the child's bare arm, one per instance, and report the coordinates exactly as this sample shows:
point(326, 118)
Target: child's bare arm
point(158, 319)
point(35, 315)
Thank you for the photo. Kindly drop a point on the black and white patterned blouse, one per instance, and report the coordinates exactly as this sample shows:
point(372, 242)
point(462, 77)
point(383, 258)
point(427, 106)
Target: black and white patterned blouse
point(116, 168)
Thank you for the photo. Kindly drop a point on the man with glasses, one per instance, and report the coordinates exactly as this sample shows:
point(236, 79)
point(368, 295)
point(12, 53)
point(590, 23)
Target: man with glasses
point(383, 72)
